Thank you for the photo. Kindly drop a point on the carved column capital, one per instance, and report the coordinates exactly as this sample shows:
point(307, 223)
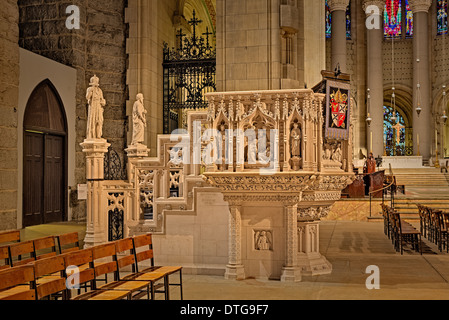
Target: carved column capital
point(335, 5)
point(378, 3)
point(420, 5)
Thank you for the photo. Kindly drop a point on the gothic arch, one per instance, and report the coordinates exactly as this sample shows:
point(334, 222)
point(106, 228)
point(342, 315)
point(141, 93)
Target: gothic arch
point(205, 10)
point(404, 101)
point(45, 174)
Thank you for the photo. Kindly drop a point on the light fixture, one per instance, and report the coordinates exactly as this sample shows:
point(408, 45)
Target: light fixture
point(394, 118)
point(444, 117)
point(368, 118)
point(418, 93)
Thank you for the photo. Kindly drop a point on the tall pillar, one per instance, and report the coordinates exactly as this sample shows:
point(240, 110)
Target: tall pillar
point(339, 55)
point(422, 124)
point(235, 269)
point(375, 76)
point(95, 150)
point(291, 271)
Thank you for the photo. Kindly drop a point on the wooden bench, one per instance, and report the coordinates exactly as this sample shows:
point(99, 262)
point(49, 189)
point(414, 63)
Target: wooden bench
point(87, 276)
point(49, 278)
point(17, 283)
point(143, 249)
point(105, 261)
point(127, 259)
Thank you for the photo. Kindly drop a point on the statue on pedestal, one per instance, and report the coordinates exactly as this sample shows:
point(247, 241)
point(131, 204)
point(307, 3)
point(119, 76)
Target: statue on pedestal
point(96, 103)
point(295, 141)
point(139, 121)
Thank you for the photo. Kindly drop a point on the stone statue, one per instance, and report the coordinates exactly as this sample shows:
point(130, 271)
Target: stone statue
point(295, 141)
point(252, 151)
point(139, 121)
point(337, 154)
point(96, 103)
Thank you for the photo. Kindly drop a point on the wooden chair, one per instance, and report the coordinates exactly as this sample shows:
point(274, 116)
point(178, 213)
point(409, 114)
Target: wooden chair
point(21, 253)
point(441, 230)
point(87, 277)
point(45, 247)
point(126, 260)
point(406, 233)
point(143, 249)
point(105, 262)
point(68, 242)
point(49, 277)
point(8, 237)
point(17, 283)
point(4, 256)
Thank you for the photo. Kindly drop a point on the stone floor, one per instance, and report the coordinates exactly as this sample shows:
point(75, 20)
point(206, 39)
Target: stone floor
point(350, 247)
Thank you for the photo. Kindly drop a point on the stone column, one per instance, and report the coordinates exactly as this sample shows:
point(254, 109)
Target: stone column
point(291, 272)
point(235, 269)
point(339, 55)
point(422, 124)
point(374, 10)
point(95, 150)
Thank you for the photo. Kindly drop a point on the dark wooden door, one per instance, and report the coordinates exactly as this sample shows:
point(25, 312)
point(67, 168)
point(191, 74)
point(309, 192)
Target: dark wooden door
point(33, 179)
point(54, 179)
point(44, 178)
point(45, 157)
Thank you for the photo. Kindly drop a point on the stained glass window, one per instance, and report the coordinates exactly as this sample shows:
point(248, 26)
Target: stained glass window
point(398, 19)
point(394, 133)
point(408, 20)
point(393, 19)
point(442, 17)
point(329, 21)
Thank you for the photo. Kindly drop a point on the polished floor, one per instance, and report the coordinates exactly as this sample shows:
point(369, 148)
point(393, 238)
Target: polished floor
point(351, 247)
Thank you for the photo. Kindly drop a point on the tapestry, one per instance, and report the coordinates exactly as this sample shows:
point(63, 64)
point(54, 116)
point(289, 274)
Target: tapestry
point(338, 97)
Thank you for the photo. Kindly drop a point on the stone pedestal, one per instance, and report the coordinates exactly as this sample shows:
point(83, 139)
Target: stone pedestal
point(310, 260)
point(274, 223)
point(95, 150)
point(137, 151)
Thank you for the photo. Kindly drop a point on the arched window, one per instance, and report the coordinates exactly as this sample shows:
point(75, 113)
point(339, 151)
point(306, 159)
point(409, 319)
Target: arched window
point(394, 133)
point(442, 17)
point(329, 21)
point(398, 19)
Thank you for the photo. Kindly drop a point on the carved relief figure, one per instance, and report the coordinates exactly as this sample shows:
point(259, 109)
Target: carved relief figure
point(139, 120)
point(96, 103)
point(263, 241)
point(295, 141)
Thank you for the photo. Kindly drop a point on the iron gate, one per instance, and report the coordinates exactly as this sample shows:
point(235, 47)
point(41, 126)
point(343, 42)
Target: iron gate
point(189, 73)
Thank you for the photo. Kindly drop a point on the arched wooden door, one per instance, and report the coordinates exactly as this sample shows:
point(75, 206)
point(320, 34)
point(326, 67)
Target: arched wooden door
point(45, 157)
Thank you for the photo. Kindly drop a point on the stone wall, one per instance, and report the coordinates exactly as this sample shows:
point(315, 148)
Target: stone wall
point(9, 95)
point(98, 47)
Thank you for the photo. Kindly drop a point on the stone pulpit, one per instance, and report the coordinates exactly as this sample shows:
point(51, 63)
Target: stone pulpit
point(281, 163)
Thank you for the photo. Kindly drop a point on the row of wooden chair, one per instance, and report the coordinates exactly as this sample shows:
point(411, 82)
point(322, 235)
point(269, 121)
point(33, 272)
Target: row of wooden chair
point(60, 276)
point(399, 231)
point(434, 224)
point(22, 252)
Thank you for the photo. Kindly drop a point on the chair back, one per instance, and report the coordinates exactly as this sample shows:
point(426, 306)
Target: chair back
point(68, 242)
point(104, 259)
point(143, 249)
point(45, 247)
point(21, 253)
